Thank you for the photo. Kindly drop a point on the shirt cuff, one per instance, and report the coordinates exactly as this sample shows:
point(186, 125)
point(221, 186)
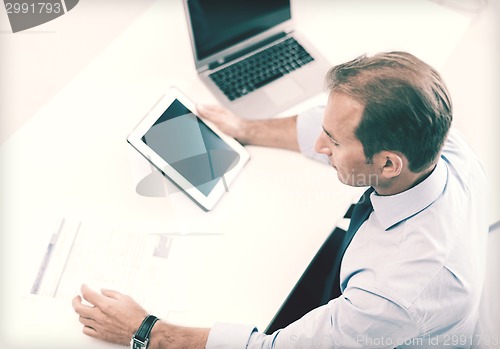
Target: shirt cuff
point(308, 130)
point(229, 336)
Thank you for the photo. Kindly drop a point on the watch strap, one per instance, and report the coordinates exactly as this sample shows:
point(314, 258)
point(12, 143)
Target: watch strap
point(141, 337)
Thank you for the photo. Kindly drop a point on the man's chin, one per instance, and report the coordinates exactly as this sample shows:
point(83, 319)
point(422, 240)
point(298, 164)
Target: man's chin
point(350, 181)
point(340, 177)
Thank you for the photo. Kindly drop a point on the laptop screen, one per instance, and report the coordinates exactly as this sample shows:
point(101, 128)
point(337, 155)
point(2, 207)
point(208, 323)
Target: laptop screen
point(219, 24)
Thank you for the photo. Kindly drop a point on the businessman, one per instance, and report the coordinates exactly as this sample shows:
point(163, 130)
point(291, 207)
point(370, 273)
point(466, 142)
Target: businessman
point(412, 274)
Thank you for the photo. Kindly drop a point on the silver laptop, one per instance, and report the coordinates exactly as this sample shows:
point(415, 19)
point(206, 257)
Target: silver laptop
point(250, 57)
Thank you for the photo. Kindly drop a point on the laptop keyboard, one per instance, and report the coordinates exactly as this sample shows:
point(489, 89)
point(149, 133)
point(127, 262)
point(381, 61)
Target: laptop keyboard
point(261, 68)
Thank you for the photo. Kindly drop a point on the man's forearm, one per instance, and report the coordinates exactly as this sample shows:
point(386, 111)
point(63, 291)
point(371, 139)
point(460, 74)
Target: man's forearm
point(279, 133)
point(167, 336)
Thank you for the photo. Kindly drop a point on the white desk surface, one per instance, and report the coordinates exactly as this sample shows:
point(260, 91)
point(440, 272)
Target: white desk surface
point(71, 158)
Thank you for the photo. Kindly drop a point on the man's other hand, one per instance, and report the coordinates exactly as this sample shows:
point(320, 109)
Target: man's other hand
point(111, 316)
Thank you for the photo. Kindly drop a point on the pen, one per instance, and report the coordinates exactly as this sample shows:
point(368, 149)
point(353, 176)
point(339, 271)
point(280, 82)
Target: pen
point(46, 259)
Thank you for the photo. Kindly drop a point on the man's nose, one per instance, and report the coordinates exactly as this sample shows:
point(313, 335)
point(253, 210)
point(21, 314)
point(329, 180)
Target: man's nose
point(321, 145)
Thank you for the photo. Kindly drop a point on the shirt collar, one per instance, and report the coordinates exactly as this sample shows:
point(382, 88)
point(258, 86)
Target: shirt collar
point(393, 209)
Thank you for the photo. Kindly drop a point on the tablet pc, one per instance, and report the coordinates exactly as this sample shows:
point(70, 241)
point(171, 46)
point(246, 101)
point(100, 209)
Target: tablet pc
point(196, 156)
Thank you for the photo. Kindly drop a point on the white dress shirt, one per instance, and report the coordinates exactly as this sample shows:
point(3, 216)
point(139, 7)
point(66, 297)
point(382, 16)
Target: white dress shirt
point(413, 273)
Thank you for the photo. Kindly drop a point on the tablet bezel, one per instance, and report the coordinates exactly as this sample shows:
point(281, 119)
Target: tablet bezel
point(135, 139)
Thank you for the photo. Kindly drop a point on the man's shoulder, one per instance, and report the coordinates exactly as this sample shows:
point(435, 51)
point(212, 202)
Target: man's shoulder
point(463, 163)
point(457, 151)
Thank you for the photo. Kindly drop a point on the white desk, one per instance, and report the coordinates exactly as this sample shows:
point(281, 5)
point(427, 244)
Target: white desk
point(72, 158)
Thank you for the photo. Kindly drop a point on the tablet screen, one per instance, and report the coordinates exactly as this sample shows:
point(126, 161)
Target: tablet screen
point(187, 144)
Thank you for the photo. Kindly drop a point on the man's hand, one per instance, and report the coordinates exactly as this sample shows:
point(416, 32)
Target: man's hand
point(112, 316)
point(226, 121)
point(279, 133)
point(115, 317)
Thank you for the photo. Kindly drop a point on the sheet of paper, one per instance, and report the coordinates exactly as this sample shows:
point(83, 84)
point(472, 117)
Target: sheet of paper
point(134, 263)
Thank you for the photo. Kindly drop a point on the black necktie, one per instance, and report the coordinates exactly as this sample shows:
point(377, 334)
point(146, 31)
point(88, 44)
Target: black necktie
point(361, 212)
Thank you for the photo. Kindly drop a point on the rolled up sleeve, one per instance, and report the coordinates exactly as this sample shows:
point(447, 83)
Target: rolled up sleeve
point(366, 320)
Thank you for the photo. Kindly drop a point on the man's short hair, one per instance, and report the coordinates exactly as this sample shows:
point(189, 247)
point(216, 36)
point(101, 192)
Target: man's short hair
point(407, 107)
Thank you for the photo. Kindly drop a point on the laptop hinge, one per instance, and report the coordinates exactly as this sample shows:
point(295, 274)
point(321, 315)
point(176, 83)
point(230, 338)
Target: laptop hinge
point(249, 49)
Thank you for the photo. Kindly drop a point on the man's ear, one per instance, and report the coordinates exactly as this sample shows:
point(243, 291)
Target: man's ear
point(390, 163)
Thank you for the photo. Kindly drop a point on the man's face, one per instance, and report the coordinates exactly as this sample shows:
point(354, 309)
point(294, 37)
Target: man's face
point(339, 143)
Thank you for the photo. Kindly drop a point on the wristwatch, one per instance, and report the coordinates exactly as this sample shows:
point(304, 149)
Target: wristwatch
point(140, 339)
